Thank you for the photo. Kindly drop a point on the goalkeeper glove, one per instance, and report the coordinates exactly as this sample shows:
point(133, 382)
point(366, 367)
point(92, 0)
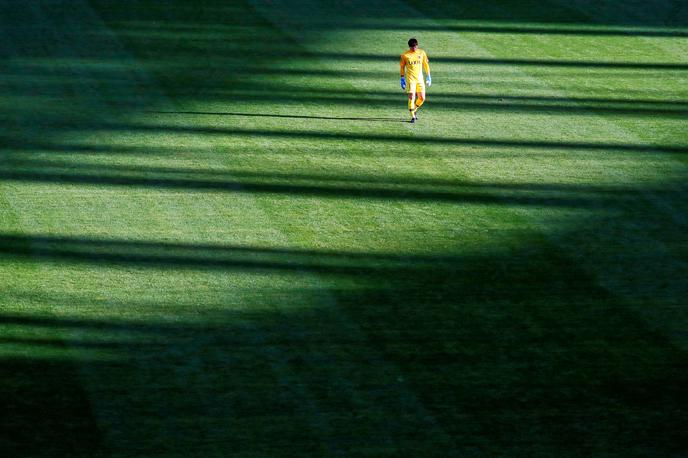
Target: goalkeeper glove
point(403, 82)
point(428, 80)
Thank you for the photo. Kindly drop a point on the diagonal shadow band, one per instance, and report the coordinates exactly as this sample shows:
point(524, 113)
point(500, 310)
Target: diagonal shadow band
point(423, 139)
point(27, 164)
point(267, 115)
point(408, 193)
point(208, 256)
point(667, 66)
point(542, 30)
point(670, 109)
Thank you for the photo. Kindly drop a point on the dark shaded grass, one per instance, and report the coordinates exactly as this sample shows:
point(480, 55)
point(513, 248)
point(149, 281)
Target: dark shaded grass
point(657, 18)
point(45, 411)
point(501, 358)
point(510, 355)
point(571, 30)
point(269, 115)
point(562, 15)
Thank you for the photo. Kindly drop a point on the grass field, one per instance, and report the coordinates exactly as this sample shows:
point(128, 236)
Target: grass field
point(220, 236)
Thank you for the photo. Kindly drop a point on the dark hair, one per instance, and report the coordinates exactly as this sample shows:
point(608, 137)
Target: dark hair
point(412, 42)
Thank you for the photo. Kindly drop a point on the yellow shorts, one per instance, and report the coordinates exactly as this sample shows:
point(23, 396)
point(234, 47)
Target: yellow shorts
point(414, 85)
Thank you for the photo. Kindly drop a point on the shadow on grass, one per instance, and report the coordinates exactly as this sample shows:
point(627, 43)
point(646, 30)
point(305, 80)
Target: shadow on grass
point(415, 139)
point(458, 102)
point(267, 115)
point(461, 103)
point(45, 411)
point(515, 354)
point(547, 23)
point(169, 255)
point(401, 189)
point(28, 163)
point(572, 30)
point(513, 62)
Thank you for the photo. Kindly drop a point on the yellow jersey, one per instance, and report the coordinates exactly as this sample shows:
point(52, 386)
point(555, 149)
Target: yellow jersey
point(413, 63)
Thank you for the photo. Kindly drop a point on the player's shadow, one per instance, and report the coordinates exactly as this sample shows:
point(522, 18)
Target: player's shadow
point(270, 115)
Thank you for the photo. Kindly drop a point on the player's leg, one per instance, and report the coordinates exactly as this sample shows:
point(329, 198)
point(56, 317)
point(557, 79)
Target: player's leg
point(412, 102)
point(420, 96)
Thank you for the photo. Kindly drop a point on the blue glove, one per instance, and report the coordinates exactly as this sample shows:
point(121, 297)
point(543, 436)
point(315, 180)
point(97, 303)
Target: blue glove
point(428, 80)
point(403, 82)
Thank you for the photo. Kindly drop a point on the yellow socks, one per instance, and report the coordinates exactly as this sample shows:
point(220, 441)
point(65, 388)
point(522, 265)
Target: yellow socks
point(411, 104)
point(419, 102)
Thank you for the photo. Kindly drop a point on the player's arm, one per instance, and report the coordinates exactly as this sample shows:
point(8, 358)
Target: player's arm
point(426, 69)
point(402, 71)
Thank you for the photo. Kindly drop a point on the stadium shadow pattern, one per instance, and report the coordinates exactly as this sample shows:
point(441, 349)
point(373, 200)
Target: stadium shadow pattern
point(218, 235)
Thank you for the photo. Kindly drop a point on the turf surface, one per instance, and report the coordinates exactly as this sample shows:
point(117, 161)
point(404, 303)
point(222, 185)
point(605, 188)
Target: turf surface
point(219, 235)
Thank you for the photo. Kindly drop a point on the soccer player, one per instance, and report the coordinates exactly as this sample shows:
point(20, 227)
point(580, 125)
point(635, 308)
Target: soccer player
point(413, 63)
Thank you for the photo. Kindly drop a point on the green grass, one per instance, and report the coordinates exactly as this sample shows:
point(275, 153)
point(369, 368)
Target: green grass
point(219, 236)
